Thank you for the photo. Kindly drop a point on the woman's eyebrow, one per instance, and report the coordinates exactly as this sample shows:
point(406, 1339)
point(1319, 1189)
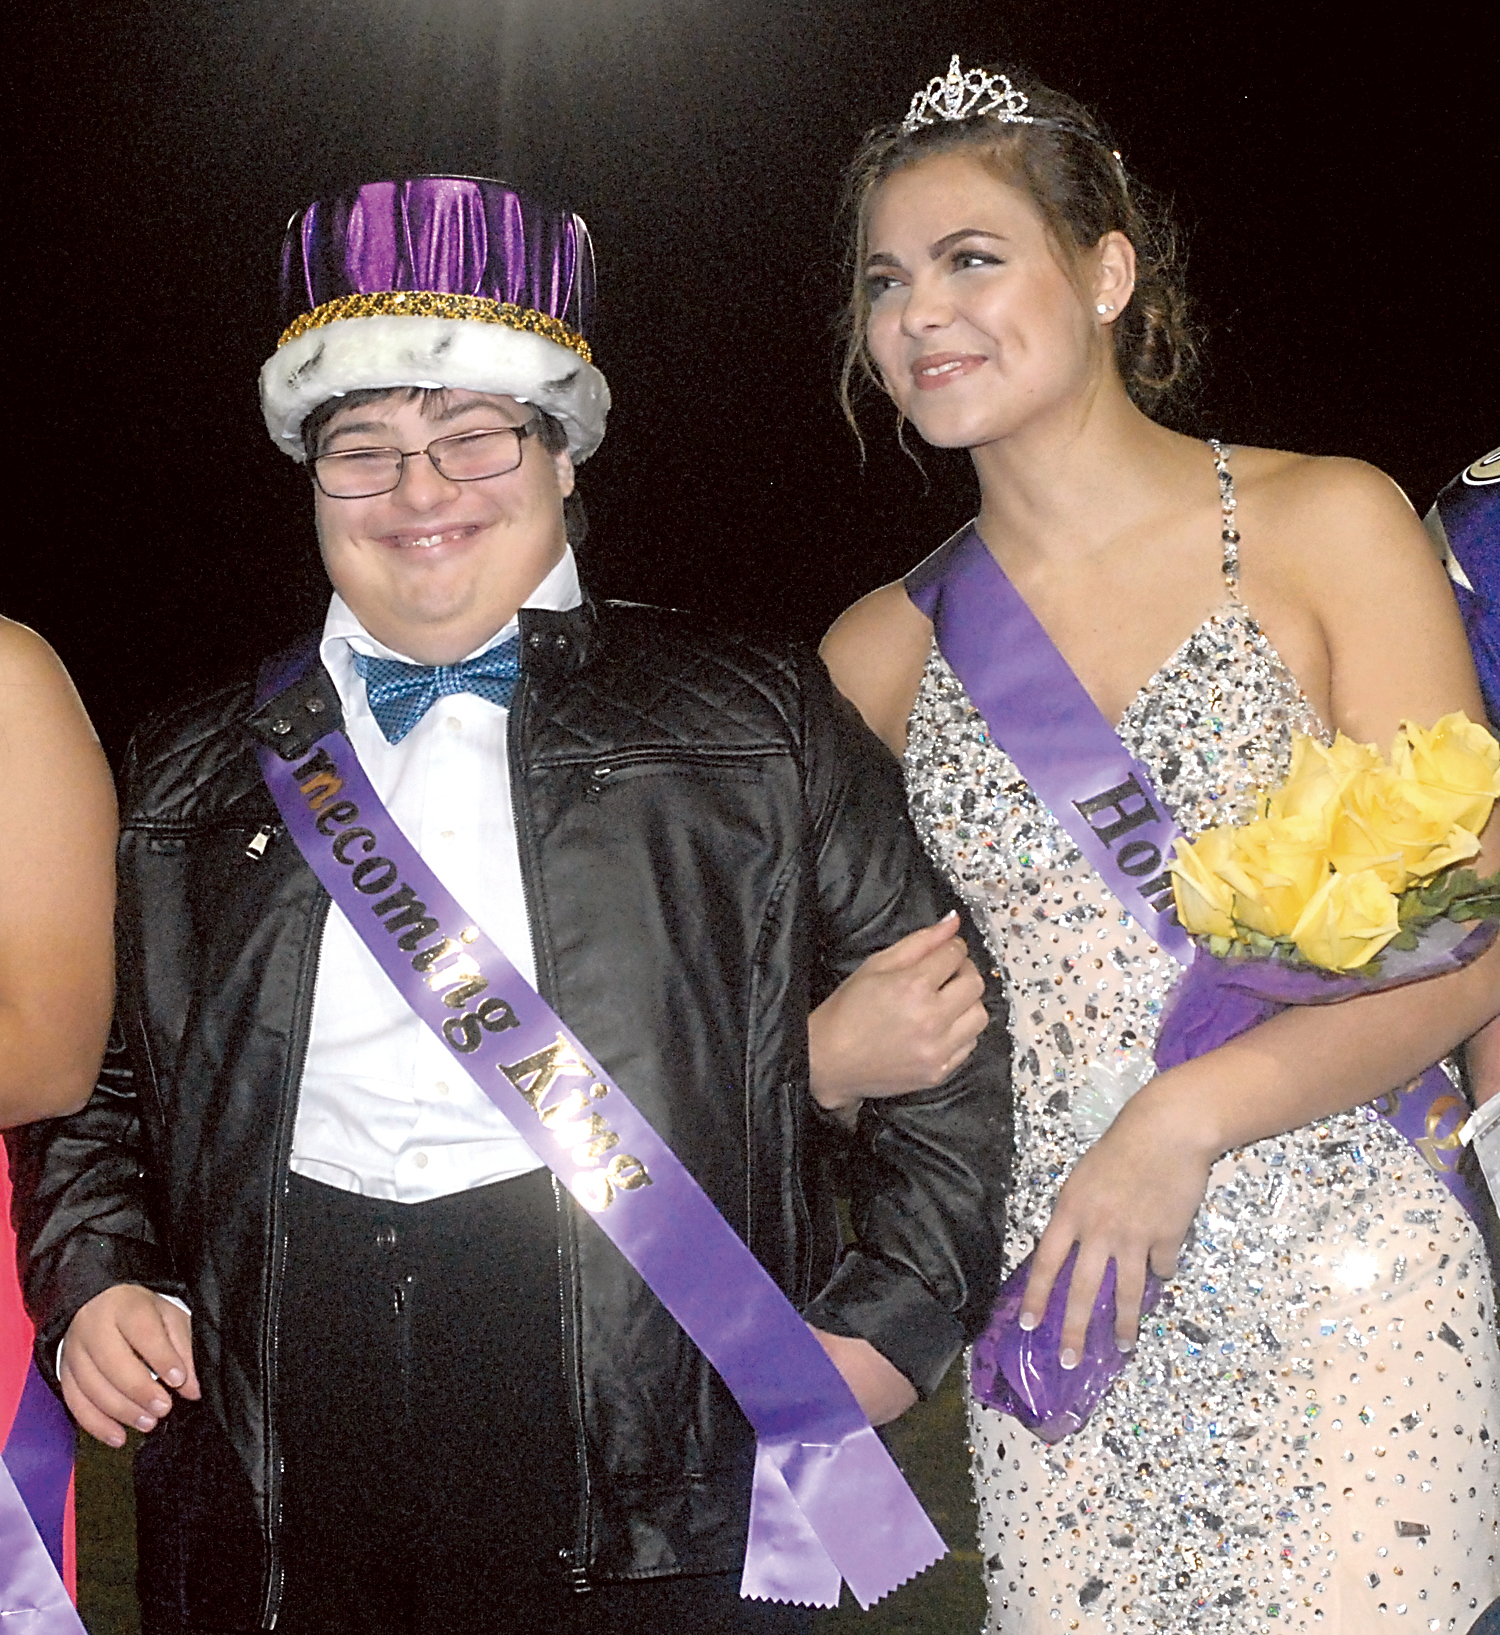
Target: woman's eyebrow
point(948, 240)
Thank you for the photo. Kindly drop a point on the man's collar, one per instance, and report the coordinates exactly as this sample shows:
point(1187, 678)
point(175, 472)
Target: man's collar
point(559, 592)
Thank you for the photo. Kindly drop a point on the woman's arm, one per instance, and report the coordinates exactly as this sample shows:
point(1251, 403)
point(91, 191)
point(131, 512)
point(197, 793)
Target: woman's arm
point(1352, 554)
point(57, 837)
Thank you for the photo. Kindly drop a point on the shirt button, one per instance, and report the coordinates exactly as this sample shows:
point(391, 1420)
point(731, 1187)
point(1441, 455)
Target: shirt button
point(420, 1160)
point(454, 724)
point(441, 1087)
point(385, 1237)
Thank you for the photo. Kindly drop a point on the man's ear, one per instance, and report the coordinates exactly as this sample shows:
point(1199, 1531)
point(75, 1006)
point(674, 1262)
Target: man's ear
point(1114, 276)
point(562, 463)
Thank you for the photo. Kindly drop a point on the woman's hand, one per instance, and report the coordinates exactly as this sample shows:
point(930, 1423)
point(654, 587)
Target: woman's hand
point(902, 1022)
point(1131, 1199)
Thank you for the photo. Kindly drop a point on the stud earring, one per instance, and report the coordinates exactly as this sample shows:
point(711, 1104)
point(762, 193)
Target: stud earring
point(1102, 308)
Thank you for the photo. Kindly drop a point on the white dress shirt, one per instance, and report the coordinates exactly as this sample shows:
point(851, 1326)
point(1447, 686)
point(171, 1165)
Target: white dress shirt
point(385, 1109)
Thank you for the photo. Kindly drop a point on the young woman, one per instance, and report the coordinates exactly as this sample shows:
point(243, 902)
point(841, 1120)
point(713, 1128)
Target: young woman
point(1303, 1436)
point(57, 838)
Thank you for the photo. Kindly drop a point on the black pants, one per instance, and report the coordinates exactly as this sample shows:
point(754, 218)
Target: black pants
point(427, 1432)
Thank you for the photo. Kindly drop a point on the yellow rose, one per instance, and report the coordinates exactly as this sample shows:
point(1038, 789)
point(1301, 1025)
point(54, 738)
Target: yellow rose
point(1398, 828)
point(1275, 866)
point(1349, 919)
point(1312, 785)
point(1205, 901)
point(1458, 758)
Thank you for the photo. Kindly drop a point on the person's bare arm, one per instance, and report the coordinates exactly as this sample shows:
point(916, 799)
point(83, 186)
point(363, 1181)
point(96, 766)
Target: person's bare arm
point(57, 836)
point(876, 652)
point(1395, 650)
point(1483, 1056)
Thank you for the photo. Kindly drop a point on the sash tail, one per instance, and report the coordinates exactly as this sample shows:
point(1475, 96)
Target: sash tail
point(36, 1471)
point(805, 1534)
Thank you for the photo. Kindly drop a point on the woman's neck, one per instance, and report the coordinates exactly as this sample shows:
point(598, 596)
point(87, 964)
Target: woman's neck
point(1066, 484)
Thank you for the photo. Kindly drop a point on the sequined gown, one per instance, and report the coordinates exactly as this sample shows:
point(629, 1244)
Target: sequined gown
point(1304, 1438)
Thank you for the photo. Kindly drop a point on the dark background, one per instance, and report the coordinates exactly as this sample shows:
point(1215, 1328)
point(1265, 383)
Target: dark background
point(1335, 181)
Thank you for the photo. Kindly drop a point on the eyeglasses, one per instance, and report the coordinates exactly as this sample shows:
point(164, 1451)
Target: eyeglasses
point(466, 457)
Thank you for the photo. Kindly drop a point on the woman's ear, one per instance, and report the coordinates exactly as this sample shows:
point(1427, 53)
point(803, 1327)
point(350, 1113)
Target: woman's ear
point(1114, 276)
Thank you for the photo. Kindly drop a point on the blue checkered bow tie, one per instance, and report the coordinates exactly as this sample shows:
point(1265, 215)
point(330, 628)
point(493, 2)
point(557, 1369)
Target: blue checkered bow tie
point(401, 694)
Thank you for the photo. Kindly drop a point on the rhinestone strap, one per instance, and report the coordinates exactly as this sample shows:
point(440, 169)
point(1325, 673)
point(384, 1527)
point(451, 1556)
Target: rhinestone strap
point(1228, 533)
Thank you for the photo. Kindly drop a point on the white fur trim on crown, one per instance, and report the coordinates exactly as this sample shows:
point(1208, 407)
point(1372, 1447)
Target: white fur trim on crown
point(354, 354)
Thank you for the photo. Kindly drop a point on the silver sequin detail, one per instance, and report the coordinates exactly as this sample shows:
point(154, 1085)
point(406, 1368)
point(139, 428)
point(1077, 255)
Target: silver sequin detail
point(1293, 1445)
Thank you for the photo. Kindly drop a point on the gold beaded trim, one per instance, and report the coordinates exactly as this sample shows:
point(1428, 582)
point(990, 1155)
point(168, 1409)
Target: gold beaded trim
point(434, 304)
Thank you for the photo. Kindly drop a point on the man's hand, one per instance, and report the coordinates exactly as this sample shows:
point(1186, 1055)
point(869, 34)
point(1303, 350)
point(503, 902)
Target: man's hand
point(114, 1347)
point(879, 1387)
point(902, 1022)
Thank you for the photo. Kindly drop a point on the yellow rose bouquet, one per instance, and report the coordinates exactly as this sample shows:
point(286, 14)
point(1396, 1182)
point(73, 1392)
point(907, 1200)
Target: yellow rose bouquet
point(1355, 854)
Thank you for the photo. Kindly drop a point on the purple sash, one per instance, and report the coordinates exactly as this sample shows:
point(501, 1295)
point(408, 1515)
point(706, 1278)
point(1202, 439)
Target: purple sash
point(34, 1476)
point(828, 1502)
point(1039, 712)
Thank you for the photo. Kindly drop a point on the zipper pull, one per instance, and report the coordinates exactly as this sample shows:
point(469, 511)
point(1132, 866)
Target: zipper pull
point(257, 847)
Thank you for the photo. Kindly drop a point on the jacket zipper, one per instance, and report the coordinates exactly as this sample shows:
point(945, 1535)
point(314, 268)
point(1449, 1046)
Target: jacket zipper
point(644, 763)
point(296, 1061)
point(566, 1265)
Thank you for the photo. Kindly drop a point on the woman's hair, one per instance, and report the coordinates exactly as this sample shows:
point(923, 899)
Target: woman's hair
point(1070, 170)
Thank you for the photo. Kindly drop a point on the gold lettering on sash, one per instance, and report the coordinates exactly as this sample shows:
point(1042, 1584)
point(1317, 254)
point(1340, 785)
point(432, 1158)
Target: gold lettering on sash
point(320, 789)
point(540, 1069)
point(573, 1107)
point(1431, 1145)
point(429, 957)
point(573, 1124)
point(592, 1189)
point(595, 1189)
point(628, 1173)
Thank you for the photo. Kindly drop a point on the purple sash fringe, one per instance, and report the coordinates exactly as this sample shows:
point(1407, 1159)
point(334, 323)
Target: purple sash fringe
point(34, 1474)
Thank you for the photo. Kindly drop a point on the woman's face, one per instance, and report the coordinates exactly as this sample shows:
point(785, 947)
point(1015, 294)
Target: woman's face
point(975, 325)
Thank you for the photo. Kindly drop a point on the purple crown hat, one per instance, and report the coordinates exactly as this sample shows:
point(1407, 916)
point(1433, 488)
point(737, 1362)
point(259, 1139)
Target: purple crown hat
point(436, 281)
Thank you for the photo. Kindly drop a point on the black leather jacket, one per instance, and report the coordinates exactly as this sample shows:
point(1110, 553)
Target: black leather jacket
point(710, 839)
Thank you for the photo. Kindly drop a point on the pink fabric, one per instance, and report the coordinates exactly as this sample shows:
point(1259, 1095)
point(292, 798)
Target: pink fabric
point(15, 1354)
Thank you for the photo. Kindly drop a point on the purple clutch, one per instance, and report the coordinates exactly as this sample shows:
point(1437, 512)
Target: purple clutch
point(1016, 1371)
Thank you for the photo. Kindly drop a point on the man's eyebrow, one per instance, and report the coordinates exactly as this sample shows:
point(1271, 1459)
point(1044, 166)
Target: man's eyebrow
point(363, 428)
point(451, 410)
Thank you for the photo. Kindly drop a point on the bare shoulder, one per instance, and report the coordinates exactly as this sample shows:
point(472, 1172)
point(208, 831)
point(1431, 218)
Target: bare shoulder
point(876, 652)
point(1321, 507)
point(1337, 543)
point(26, 660)
point(41, 713)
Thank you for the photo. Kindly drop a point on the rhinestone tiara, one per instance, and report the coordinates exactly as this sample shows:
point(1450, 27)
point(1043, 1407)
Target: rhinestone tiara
point(959, 95)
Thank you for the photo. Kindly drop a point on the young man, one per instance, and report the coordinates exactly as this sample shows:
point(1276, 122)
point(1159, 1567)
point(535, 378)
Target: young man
point(420, 1388)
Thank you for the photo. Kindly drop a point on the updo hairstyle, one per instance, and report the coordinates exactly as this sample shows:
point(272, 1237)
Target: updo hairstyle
point(1069, 169)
